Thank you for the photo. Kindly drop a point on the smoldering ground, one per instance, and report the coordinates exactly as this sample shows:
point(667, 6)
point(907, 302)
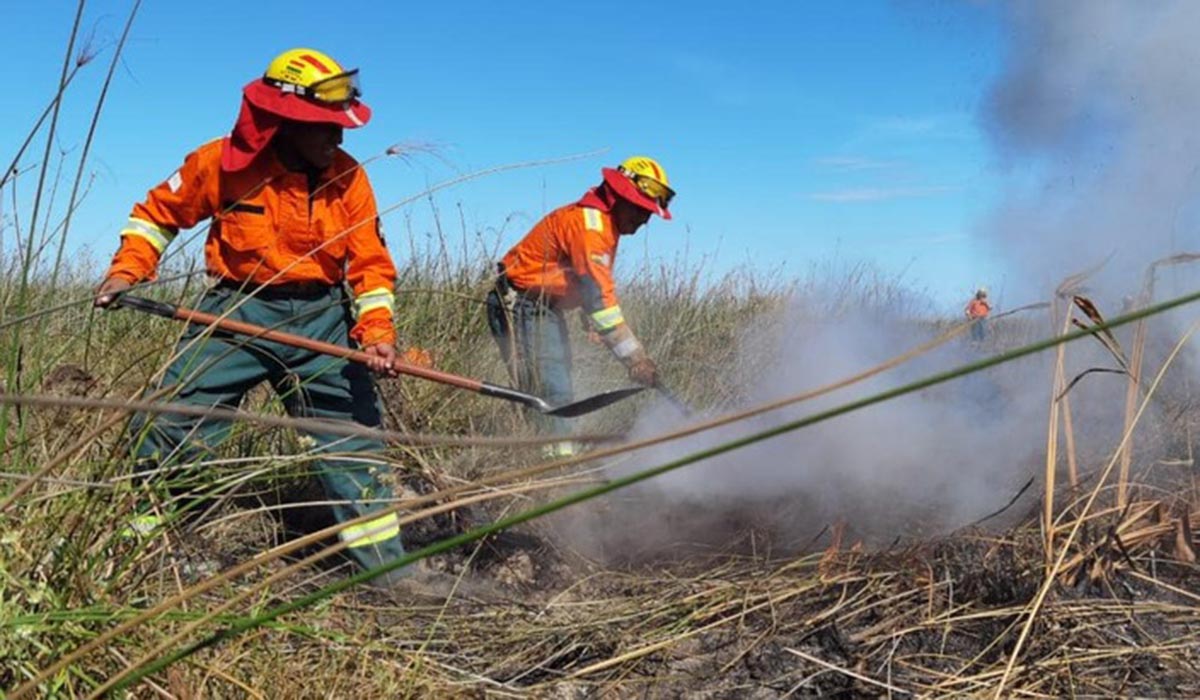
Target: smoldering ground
point(911, 468)
point(914, 466)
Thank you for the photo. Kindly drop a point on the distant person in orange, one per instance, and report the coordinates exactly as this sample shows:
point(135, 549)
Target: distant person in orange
point(977, 310)
point(566, 262)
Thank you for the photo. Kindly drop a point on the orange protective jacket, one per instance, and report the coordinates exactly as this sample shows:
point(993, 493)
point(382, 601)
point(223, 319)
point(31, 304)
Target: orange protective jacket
point(568, 258)
point(978, 308)
point(266, 229)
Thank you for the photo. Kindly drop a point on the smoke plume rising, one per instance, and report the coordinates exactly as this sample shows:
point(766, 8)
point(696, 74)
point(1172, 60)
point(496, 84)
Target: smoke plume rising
point(1094, 120)
point(1093, 123)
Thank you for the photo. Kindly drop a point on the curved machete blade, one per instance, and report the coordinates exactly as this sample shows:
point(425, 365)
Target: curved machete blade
point(593, 403)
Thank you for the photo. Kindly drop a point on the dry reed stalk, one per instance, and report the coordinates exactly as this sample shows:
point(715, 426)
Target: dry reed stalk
point(1058, 384)
point(1174, 590)
point(1137, 353)
point(848, 672)
point(1069, 434)
point(343, 428)
point(662, 644)
point(1136, 359)
point(66, 454)
point(1036, 605)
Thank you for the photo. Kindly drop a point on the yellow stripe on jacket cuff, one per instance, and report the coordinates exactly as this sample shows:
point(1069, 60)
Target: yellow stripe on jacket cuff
point(607, 319)
point(155, 235)
point(380, 298)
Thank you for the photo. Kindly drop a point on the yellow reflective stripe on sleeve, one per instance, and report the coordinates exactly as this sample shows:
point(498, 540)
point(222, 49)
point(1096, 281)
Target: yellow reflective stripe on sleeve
point(381, 298)
point(372, 531)
point(608, 318)
point(157, 236)
point(592, 219)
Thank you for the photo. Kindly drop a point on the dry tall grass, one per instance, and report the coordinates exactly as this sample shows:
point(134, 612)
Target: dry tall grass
point(937, 619)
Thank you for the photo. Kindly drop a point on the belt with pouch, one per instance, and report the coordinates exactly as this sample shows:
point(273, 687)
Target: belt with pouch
point(274, 292)
point(509, 292)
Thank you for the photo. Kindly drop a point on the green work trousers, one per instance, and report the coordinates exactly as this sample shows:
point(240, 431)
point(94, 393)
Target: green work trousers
point(218, 370)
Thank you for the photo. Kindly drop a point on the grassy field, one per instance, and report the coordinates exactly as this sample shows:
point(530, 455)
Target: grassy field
point(759, 602)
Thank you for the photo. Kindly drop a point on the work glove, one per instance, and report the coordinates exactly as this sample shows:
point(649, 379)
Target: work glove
point(642, 370)
point(109, 290)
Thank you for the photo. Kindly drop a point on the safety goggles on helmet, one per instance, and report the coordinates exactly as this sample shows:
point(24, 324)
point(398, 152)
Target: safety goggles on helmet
point(337, 89)
point(650, 187)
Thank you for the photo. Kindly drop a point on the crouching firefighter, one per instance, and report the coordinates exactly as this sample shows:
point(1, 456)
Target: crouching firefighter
point(294, 244)
point(566, 262)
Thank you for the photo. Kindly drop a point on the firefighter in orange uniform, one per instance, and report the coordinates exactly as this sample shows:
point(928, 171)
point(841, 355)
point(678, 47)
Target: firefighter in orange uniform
point(566, 262)
point(977, 310)
point(294, 244)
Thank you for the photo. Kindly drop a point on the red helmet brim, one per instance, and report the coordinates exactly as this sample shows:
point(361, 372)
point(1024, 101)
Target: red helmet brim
point(624, 188)
point(291, 106)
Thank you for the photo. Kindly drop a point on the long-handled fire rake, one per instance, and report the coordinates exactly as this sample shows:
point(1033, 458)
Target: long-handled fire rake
point(570, 410)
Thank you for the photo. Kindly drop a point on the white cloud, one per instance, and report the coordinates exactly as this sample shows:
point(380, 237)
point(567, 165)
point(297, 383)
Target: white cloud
point(879, 194)
point(946, 124)
point(855, 163)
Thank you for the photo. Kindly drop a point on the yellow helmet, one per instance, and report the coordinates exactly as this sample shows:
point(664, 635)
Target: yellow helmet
point(643, 181)
point(301, 85)
point(308, 86)
point(312, 74)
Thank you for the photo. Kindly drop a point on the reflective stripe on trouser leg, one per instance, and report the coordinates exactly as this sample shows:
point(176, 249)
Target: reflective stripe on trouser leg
point(371, 532)
point(561, 450)
point(351, 469)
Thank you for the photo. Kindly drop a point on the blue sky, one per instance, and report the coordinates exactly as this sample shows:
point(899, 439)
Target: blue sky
point(794, 132)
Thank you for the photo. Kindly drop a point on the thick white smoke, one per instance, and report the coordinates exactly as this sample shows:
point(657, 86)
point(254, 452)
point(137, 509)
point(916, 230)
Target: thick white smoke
point(911, 467)
point(1093, 119)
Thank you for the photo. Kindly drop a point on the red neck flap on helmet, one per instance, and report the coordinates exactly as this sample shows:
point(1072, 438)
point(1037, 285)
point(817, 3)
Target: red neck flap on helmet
point(265, 106)
point(253, 131)
point(600, 197)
